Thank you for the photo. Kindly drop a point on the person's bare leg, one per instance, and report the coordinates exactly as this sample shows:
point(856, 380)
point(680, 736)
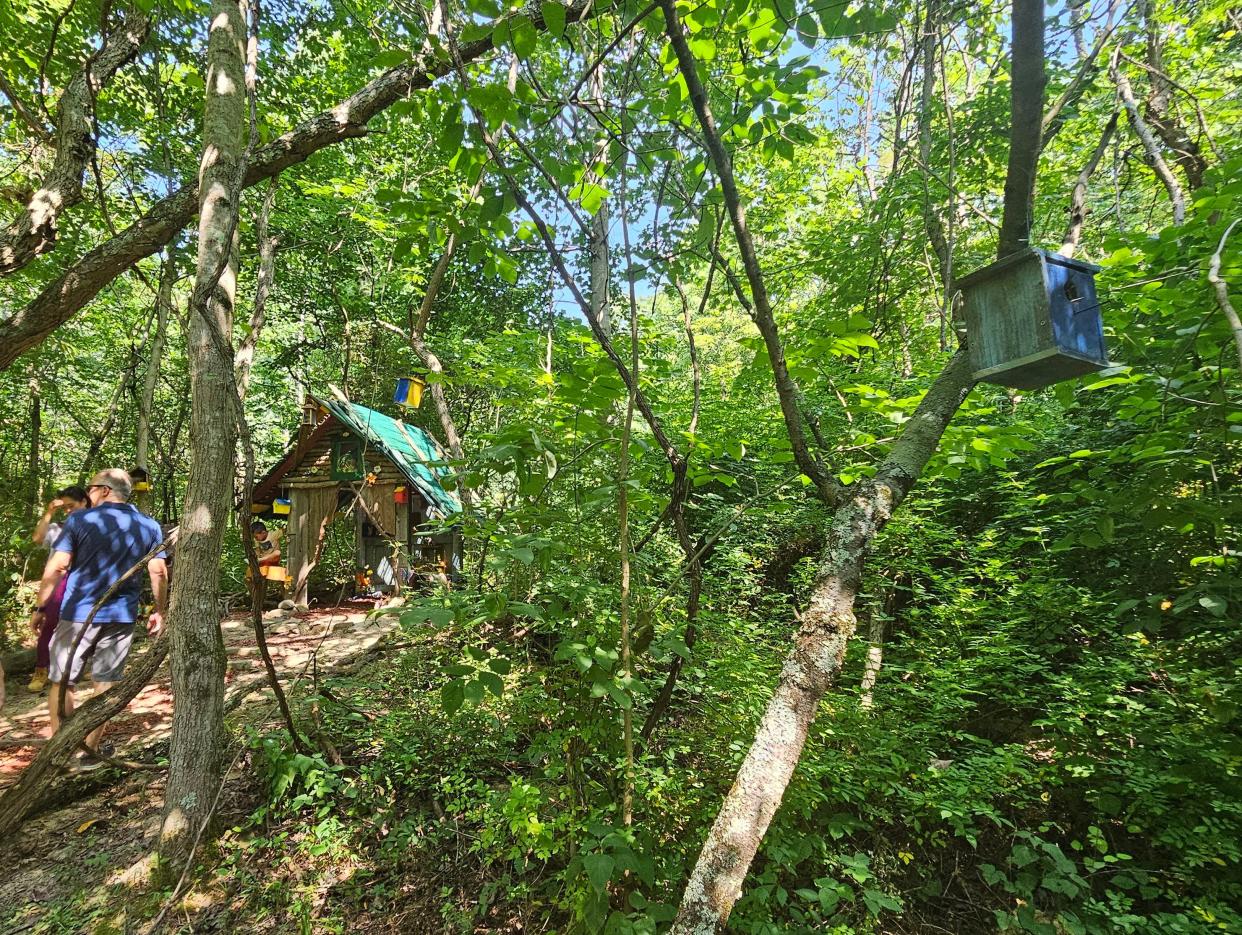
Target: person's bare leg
point(53, 706)
point(93, 738)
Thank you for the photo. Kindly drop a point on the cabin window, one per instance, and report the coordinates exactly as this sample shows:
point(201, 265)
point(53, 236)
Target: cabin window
point(347, 462)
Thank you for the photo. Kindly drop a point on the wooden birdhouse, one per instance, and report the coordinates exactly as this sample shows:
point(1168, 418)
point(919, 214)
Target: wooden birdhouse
point(140, 479)
point(409, 391)
point(1033, 319)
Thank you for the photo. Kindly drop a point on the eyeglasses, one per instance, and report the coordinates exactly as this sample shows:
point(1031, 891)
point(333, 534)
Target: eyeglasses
point(93, 486)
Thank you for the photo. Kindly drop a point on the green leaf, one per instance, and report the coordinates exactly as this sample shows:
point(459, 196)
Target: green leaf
point(1104, 525)
point(1214, 605)
point(501, 33)
point(554, 18)
point(492, 682)
point(598, 870)
point(523, 35)
point(389, 59)
point(589, 195)
point(704, 48)
point(452, 695)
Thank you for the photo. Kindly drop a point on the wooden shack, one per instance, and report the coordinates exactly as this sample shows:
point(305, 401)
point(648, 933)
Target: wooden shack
point(352, 459)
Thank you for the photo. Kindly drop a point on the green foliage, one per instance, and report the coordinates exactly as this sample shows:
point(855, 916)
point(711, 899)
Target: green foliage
point(1051, 741)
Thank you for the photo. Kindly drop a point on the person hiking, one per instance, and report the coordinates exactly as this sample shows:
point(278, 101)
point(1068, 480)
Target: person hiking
point(46, 532)
point(100, 544)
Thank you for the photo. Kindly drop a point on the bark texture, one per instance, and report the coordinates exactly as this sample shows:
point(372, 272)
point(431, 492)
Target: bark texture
point(33, 231)
point(69, 293)
point(196, 755)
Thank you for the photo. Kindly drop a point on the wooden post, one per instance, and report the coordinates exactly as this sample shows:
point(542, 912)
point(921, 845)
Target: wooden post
point(295, 535)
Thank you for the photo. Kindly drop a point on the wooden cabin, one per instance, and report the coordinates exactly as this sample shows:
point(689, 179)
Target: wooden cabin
point(349, 458)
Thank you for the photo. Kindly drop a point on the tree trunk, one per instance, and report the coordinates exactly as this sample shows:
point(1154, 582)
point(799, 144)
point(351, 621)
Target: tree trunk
point(828, 622)
point(163, 305)
point(196, 756)
point(812, 665)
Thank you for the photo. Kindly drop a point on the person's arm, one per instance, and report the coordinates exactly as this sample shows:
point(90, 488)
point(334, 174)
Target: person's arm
point(56, 568)
point(157, 571)
point(273, 556)
point(40, 530)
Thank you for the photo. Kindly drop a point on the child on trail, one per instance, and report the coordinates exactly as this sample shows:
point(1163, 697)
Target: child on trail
point(46, 532)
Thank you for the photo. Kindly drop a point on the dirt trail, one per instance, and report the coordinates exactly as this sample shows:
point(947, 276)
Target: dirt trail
point(24, 721)
point(90, 841)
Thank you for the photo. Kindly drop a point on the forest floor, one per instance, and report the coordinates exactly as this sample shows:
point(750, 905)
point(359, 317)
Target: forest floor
point(68, 856)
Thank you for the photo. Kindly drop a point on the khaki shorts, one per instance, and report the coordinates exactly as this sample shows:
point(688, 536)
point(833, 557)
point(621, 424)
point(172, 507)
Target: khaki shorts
point(109, 641)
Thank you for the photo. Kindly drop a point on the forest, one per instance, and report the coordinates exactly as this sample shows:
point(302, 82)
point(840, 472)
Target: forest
point(766, 466)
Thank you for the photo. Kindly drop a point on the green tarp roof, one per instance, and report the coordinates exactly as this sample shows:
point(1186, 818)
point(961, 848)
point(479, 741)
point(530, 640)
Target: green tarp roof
point(408, 447)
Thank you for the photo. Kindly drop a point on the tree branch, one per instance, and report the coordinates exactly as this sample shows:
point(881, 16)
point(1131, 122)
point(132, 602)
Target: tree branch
point(1088, 67)
point(66, 295)
point(33, 231)
point(1177, 198)
point(29, 117)
point(1221, 288)
point(1078, 196)
point(786, 387)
